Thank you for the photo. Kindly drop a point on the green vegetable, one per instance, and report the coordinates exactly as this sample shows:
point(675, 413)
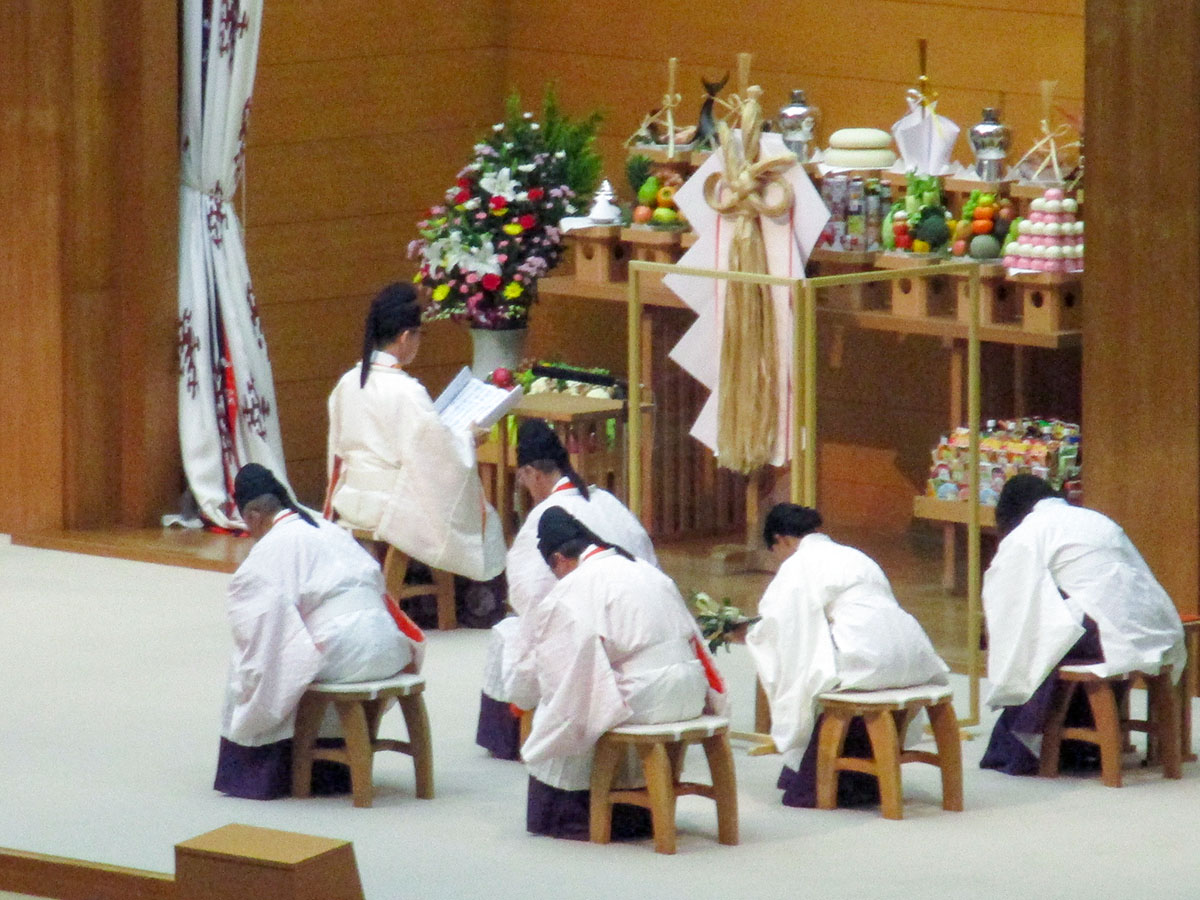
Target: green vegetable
point(932, 228)
point(637, 170)
point(717, 620)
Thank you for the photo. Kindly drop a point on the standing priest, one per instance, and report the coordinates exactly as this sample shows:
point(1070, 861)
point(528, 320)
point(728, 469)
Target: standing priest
point(306, 605)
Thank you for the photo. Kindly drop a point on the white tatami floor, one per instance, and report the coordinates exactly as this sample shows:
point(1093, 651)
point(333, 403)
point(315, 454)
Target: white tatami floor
point(113, 675)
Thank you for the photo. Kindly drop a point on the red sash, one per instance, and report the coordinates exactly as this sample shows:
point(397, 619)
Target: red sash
point(407, 626)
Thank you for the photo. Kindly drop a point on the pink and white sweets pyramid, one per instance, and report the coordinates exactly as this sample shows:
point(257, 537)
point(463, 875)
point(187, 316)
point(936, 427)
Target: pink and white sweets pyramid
point(1051, 238)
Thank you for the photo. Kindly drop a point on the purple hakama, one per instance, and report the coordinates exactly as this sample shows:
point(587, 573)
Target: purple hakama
point(499, 731)
point(1008, 754)
point(567, 814)
point(854, 788)
point(265, 773)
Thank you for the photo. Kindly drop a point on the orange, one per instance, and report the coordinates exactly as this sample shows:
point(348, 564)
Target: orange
point(665, 196)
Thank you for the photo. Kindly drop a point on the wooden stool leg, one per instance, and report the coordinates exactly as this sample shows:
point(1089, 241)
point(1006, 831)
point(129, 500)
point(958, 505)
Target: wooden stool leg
point(447, 612)
point(885, 747)
point(830, 742)
point(724, 781)
point(358, 750)
point(1052, 732)
point(949, 750)
point(1103, 703)
point(308, 722)
point(395, 567)
point(657, 769)
point(416, 720)
point(604, 770)
point(676, 751)
point(1164, 699)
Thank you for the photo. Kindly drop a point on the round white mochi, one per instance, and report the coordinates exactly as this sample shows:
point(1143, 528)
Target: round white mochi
point(842, 158)
point(860, 139)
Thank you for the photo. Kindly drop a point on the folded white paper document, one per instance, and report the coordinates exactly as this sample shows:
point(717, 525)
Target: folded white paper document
point(468, 401)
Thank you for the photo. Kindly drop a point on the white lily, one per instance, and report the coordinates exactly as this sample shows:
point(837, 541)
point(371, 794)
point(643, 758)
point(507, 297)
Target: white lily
point(500, 184)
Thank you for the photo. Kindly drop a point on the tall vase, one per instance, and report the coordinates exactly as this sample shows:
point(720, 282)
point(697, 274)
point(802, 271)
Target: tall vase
point(496, 349)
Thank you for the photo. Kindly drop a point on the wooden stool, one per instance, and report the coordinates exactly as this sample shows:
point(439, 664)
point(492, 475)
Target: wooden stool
point(394, 563)
point(887, 714)
point(661, 747)
point(1188, 684)
point(1108, 732)
point(360, 706)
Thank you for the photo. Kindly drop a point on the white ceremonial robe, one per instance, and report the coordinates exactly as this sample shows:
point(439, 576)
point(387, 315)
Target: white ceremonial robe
point(1061, 549)
point(398, 471)
point(614, 645)
point(306, 605)
point(530, 580)
point(830, 622)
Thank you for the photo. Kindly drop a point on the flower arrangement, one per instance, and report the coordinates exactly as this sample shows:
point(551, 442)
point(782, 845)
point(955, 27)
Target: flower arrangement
point(484, 249)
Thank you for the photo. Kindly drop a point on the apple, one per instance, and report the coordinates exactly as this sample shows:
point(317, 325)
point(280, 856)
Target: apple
point(642, 214)
point(503, 378)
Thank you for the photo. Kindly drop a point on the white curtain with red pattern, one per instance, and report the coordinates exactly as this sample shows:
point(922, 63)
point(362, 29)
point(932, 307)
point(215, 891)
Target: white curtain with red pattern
point(227, 411)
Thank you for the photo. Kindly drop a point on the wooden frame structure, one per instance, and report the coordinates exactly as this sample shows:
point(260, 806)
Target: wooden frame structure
point(804, 411)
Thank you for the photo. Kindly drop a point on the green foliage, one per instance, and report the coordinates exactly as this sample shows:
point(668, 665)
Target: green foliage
point(577, 139)
point(637, 171)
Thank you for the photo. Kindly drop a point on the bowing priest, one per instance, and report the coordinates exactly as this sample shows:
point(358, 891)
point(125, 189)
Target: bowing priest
point(306, 605)
point(1065, 586)
point(829, 621)
point(544, 469)
point(613, 644)
point(395, 468)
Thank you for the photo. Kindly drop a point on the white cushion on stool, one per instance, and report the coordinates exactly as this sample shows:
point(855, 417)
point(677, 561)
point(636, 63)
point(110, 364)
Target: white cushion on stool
point(933, 693)
point(400, 684)
point(706, 725)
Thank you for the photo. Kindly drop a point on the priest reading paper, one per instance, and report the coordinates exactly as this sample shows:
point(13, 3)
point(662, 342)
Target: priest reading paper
point(829, 621)
point(614, 644)
point(306, 605)
point(544, 469)
point(1066, 586)
point(396, 468)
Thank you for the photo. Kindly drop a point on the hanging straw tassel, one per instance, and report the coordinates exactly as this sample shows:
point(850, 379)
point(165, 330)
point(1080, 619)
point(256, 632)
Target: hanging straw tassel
point(747, 408)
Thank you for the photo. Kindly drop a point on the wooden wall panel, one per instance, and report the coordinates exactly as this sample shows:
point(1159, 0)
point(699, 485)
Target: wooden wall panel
point(146, 217)
point(1142, 331)
point(34, 86)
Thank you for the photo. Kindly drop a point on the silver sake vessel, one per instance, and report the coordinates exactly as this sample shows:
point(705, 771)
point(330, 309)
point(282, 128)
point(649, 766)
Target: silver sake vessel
point(797, 123)
point(990, 141)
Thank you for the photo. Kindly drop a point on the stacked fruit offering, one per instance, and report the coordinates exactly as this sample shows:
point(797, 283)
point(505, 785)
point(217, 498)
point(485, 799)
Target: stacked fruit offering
point(1051, 239)
point(985, 222)
point(655, 188)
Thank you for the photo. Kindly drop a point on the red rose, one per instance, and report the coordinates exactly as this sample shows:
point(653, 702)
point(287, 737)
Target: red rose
point(527, 221)
point(490, 281)
point(498, 203)
point(536, 193)
point(462, 196)
point(464, 182)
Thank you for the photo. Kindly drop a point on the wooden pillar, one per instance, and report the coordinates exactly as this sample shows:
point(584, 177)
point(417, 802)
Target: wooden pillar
point(33, 99)
point(147, 258)
point(1141, 356)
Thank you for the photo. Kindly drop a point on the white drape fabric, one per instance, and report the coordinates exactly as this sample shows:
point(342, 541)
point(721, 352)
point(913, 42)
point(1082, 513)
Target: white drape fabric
point(227, 411)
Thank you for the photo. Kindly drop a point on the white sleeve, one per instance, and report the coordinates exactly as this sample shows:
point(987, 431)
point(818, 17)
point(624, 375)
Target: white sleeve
point(1030, 626)
point(580, 699)
point(529, 578)
point(275, 659)
point(794, 654)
